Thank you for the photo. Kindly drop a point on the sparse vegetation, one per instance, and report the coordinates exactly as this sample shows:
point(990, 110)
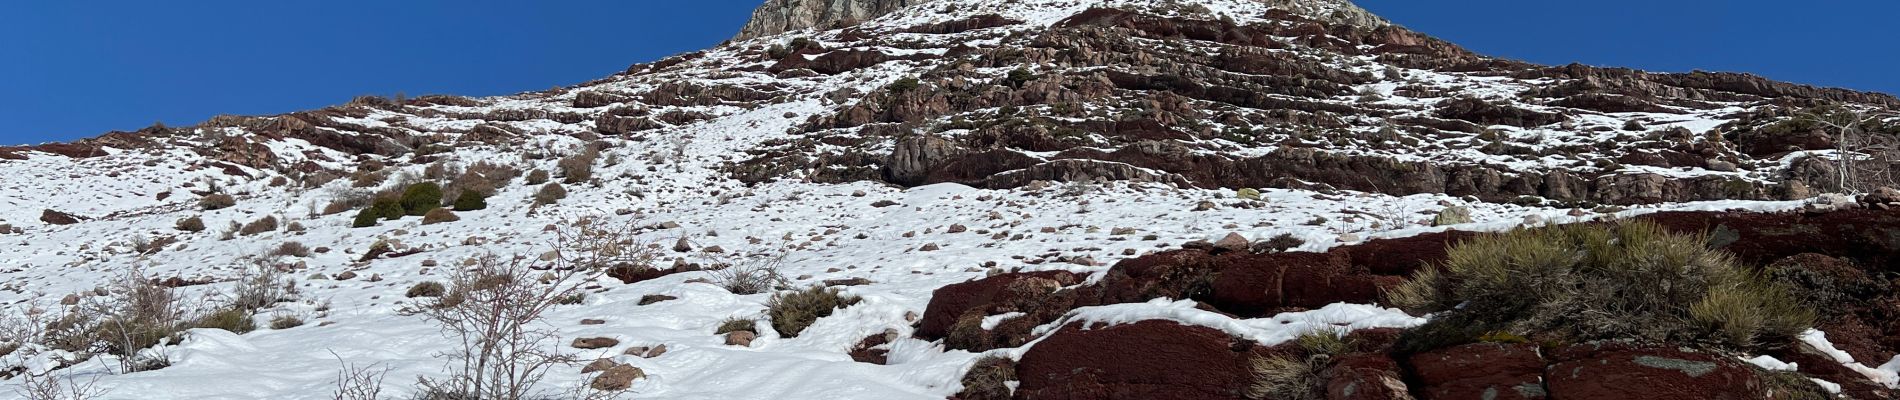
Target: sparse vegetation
point(285, 321)
point(988, 379)
point(550, 194)
point(192, 224)
point(1298, 376)
point(537, 177)
point(426, 289)
point(293, 249)
point(578, 168)
point(736, 324)
point(217, 201)
point(234, 319)
point(791, 312)
point(750, 276)
point(1583, 282)
point(261, 225)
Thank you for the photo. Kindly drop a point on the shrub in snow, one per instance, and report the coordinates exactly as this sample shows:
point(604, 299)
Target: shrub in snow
point(192, 224)
point(470, 200)
point(439, 215)
point(293, 249)
point(736, 324)
point(217, 201)
point(364, 219)
point(234, 319)
point(791, 312)
point(285, 321)
point(749, 276)
point(578, 168)
point(1584, 282)
point(988, 379)
point(419, 198)
point(537, 177)
point(549, 194)
point(426, 289)
point(261, 225)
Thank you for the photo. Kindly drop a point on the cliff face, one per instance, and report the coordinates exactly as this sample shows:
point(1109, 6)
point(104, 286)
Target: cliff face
point(779, 16)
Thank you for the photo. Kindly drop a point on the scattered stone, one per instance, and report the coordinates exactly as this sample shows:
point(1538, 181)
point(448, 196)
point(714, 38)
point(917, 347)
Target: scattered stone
point(620, 377)
point(857, 193)
point(929, 247)
point(655, 298)
point(1121, 231)
point(1248, 194)
point(57, 218)
point(1204, 206)
point(714, 249)
point(669, 225)
point(1234, 241)
point(1722, 166)
point(593, 321)
point(956, 228)
point(854, 281)
point(70, 299)
point(346, 275)
point(1349, 238)
point(595, 343)
point(740, 338)
point(599, 364)
point(682, 246)
point(883, 203)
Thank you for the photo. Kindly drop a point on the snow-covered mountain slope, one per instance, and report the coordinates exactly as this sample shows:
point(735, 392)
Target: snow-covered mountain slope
point(930, 145)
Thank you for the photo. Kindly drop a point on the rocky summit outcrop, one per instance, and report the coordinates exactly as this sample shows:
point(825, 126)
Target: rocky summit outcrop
point(780, 16)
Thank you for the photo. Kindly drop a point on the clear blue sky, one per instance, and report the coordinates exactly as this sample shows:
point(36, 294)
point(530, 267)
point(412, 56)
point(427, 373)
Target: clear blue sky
point(71, 69)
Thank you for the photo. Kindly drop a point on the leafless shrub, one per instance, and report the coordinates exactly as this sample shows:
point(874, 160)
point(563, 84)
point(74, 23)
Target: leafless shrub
point(354, 382)
point(578, 168)
point(495, 310)
point(50, 386)
point(751, 275)
point(293, 249)
point(261, 286)
point(137, 315)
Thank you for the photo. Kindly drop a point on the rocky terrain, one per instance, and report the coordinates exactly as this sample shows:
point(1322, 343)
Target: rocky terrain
point(1031, 199)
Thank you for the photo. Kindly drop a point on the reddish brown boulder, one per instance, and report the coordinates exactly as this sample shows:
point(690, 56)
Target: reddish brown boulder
point(1148, 360)
point(1654, 373)
point(1481, 370)
point(988, 296)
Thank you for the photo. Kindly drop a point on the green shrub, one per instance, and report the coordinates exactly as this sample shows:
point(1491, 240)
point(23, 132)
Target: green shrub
point(1586, 282)
point(550, 194)
point(736, 324)
point(234, 319)
point(192, 224)
point(366, 218)
point(903, 85)
point(217, 201)
point(791, 312)
point(388, 208)
point(470, 200)
point(426, 289)
point(439, 215)
point(419, 198)
point(1248, 194)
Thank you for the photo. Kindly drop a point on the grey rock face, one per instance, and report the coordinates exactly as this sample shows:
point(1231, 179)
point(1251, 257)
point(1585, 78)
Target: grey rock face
point(780, 16)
